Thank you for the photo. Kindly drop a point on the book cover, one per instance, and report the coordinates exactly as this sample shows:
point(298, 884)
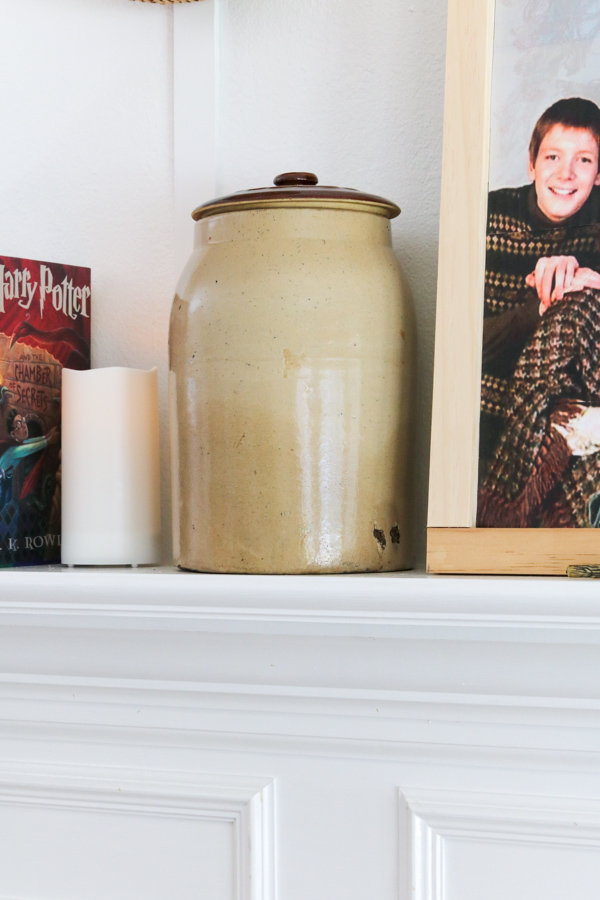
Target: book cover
point(44, 326)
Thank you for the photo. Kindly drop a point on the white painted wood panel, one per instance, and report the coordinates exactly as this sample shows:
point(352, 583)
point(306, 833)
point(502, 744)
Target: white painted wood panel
point(519, 872)
point(335, 737)
point(462, 844)
point(69, 854)
point(73, 831)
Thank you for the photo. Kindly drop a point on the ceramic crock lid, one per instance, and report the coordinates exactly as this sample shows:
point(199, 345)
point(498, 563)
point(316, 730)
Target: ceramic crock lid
point(298, 190)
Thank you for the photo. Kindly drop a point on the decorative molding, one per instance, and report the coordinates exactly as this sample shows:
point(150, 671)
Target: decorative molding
point(408, 605)
point(35, 734)
point(428, 818)
point(247, 803)
point(350, 663)
point(332, 731)
point(381, 705)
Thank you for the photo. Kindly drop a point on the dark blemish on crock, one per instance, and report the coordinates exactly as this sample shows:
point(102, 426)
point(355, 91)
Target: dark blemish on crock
point(379, 536)
point(395, 534)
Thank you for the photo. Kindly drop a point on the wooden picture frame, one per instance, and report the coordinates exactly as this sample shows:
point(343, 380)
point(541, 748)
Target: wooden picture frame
point(454, 544)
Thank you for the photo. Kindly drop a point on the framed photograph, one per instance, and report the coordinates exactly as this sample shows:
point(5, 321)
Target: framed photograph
point(515, 452)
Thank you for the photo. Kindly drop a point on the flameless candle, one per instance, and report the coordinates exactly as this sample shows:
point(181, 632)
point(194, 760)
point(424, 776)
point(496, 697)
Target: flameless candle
point(110, 467)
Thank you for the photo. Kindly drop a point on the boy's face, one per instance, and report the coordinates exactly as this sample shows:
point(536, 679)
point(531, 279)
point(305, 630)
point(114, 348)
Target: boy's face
point(20, 431)
point(565, 171)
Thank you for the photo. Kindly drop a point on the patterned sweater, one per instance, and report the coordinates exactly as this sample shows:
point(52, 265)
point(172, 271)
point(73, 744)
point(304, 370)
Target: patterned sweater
point(526, 359)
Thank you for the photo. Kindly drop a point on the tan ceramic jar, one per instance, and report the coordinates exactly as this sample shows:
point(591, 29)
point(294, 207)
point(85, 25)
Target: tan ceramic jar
point(291, 386)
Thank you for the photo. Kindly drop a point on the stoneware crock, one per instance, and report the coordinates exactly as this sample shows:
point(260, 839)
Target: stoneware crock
point(291, 385)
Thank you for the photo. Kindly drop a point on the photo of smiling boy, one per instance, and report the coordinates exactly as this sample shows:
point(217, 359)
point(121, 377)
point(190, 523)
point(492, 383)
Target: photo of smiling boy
point(539, 425)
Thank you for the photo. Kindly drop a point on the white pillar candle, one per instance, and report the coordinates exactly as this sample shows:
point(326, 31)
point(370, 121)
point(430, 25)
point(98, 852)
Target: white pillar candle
point(110, 467)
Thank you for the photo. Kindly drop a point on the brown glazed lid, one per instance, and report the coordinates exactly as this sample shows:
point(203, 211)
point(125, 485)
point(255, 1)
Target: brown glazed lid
point(298, 190)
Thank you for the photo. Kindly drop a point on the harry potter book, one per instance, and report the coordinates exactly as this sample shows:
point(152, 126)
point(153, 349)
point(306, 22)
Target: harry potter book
point(44, 326)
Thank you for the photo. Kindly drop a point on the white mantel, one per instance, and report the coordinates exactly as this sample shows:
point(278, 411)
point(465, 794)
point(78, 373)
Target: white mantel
point(407, 652)
point(362, 732)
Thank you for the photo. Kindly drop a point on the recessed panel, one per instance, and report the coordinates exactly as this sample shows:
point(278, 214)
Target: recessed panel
point(70, 854)
point(486, 870)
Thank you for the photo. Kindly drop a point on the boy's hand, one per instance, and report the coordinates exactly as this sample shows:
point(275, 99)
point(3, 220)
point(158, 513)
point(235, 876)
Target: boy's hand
point(552, 278)
point(555, 276)
point(585, 278)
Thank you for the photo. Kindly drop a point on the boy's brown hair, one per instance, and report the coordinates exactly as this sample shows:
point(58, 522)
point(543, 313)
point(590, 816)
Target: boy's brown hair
point(574, 112)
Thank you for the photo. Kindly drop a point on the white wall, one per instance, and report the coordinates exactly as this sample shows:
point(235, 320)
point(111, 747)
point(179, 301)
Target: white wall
point(351, 91)
point(87, 163)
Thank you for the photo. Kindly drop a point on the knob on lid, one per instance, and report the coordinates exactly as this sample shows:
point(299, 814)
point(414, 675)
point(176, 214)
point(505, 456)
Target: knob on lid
point(298, 190)
point(295, 178)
